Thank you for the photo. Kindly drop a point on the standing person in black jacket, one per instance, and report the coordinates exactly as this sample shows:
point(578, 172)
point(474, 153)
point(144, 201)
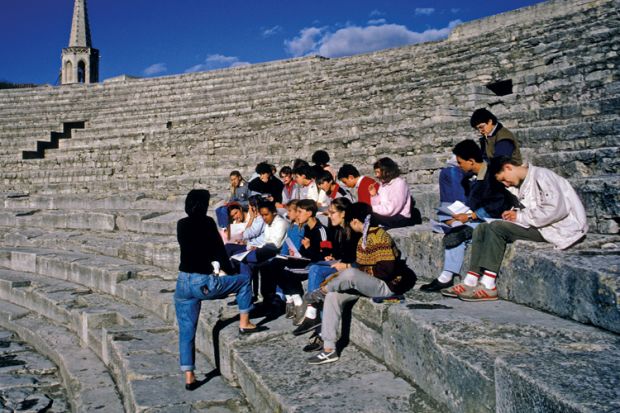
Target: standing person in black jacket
point(202, 256)
point(487, 199)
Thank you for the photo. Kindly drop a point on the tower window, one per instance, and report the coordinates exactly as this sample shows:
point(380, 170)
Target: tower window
point(501, 88)
point(81, 72)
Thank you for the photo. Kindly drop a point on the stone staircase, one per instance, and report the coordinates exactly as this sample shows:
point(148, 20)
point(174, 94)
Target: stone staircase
point(88, 253)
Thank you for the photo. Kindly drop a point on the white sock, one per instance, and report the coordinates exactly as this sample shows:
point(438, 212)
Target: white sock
point(488, 279)
point(289, 298)
point(297, 300)
point(445, 276)
point(310, 312)
point(471, 279)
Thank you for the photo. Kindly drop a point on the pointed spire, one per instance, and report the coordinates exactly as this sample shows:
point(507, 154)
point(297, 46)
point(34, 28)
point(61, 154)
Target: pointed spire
point(80, 30)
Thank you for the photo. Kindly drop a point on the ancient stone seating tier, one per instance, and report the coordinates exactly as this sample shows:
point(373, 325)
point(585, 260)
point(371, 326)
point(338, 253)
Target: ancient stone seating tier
point(88, 253)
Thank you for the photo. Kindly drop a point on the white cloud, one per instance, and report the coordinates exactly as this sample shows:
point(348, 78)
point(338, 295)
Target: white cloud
point(155, 69)
point(272, 31)
point(306, 41)
point(354, 39)
point(217, 61)
point(454, 10)
point(376, 22)
point(424, 11)
point(376, 13)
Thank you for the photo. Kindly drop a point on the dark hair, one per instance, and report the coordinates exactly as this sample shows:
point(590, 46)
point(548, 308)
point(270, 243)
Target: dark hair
point(292, 203)
point(197, 202)
point(341, 204)
point(389, 169)
point(271, 206)
point(346, 170)
point(481, 115)
point(263, 168)
point(358, 210)
point(324, 176)
point(237, 174)
point(286, 170)
point(233, 205)
point(320, 157)
point(467, 150)
point(299, 162)
point(305, 170)
point(308, 205)
point(497, 164)
point(254, 200)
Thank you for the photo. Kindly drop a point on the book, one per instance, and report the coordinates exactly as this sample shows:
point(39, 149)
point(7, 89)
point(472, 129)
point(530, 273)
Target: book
point(499, 219)
point(291, 258)
point(236, 231)
point(240, 256)
point(457, 207)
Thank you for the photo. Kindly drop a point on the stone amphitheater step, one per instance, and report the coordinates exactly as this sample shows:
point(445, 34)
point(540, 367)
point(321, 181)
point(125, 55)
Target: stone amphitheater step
point(108, 326)
point(581, 283)
point(487, 357)
point(87, 381)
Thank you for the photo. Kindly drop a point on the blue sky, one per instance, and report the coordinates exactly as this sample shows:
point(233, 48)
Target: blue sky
point(166, 37)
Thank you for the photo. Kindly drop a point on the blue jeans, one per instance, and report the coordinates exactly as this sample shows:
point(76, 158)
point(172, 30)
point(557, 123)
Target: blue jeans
point(221, 213)
point(453, 258)
point(191, 289)
point(317, 274)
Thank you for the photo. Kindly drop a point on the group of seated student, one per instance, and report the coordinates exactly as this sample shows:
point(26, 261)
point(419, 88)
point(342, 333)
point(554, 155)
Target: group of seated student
point(508, 200)
point(350, 254)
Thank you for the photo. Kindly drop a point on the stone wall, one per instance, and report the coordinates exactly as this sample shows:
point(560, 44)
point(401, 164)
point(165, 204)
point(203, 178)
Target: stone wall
point(163, 136)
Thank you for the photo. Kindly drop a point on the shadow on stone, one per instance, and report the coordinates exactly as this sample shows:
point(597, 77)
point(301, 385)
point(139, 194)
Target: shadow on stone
point(219, 326)
point(428, 307)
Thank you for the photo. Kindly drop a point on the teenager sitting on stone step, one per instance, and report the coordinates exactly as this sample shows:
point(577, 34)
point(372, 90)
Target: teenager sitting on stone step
point(344, 246)
point(239, 193)
point(201, 247)
point(325, 181)
point(309, 190)
point(550, 211)
point(315, 246)
point(495, 140)
point(266, 184)
point(487, 198)
point(357, 184)
point(379, 272)
point(253, 233)
point(291, 188)
point(391, 202)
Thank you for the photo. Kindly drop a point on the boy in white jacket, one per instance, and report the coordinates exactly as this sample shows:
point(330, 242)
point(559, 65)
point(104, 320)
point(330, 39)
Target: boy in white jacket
point(551, 211)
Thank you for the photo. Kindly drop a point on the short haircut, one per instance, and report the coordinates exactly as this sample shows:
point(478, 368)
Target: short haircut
point(358, 210)
point(271, 206)
point(389, 169)
point(497, 164)
point(237, 174)
point(292, 203)
point(482, 115)
point(286, 170)
point(263, 168)
point(197, 202)
point(324, 176)
point(299, 162)
point(320, 157)
point(308, 205)
point(254, 200)
point(346, 170)
point(305, 170)
point(467, 150)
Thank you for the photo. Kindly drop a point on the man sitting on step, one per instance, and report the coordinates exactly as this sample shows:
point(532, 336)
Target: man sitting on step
point(487, 198)
point(551, 212)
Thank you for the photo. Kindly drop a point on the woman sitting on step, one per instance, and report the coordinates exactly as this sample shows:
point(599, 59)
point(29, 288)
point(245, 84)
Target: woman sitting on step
point(202, 255)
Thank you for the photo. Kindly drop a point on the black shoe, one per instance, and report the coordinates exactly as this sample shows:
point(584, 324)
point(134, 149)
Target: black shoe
point(247, 331)
point(315, 344)
point(306, 325)
point(436, 286)
point(192, 386)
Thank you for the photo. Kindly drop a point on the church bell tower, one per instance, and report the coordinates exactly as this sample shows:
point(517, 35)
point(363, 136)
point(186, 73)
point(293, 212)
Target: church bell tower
point(80, 62)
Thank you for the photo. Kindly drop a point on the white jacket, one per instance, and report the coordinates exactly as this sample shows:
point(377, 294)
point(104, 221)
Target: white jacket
point(276, 232)
point(552, 206)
